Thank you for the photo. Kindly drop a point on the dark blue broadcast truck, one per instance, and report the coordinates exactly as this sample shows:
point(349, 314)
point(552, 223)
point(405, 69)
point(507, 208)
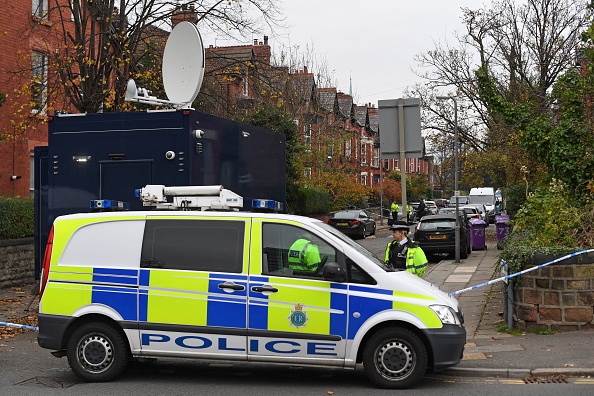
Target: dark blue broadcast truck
point(107, 156)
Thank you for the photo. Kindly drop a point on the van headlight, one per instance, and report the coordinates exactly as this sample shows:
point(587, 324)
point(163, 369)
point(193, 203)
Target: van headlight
point(446, 314)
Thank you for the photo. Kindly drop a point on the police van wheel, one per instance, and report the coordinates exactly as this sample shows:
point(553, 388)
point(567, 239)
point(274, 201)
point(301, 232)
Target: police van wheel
point(97, 352)
point(395, 358)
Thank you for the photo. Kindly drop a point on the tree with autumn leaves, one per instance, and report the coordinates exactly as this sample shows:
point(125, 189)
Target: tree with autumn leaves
point(525, 114)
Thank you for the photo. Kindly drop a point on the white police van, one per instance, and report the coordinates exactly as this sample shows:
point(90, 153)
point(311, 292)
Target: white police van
point(218, 285)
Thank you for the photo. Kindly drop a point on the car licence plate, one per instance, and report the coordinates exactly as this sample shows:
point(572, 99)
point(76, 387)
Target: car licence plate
point(438, 236)
point(342, 224)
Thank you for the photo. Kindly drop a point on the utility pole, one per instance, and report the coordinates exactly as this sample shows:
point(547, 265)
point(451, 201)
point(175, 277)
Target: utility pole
point(456, 192)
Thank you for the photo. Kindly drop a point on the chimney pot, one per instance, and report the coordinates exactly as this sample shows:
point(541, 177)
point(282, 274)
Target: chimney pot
point(304, 69)
point(265, 40)
point(255, 41)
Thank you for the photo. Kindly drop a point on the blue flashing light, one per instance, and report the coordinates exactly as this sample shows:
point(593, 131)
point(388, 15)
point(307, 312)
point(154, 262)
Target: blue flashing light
point(267, 204)
point(137, 192)
point(108, 205)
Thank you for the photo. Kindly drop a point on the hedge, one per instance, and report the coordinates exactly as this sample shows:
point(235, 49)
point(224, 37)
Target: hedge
point(16, 217)
point(313, 202)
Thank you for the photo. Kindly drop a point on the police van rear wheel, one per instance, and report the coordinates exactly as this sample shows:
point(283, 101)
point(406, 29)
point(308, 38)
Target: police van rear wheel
point(97, 352)
point(395, 358)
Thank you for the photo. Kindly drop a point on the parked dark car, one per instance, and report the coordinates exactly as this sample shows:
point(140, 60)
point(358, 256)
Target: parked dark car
point(354, 222)
point(436, 234)
point(441, 203)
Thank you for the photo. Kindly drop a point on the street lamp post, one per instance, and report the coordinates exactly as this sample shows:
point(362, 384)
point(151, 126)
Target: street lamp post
point(456, 192)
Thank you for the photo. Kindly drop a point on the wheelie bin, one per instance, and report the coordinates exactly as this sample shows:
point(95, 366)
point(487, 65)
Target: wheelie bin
point(502, 228)
point(477, 234)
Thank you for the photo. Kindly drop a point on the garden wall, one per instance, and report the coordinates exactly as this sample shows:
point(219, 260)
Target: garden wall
point(556, 297)
point(17, 262)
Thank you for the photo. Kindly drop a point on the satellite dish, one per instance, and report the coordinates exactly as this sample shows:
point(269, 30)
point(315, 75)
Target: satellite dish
point(183, 63)
point(131, 90)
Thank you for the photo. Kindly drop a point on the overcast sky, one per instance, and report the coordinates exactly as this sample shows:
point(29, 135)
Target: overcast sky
point(374, 42)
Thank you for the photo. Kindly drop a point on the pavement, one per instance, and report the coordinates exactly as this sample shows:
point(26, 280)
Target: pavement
point(490, 350)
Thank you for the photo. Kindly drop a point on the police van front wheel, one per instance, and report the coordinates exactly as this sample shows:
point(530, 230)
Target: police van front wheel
point(395, 358)
point(97, 352)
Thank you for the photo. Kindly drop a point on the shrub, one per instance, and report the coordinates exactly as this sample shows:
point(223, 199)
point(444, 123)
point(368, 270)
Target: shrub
point(546, 223)
point(550, 215)
point(16, 217)
point(313, 201)
point(515, 196)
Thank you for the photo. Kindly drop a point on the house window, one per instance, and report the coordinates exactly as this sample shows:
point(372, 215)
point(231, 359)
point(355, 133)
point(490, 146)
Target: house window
point(376, 155)
point(307, 136)
point(38, 81)
point(364, 179)
point(347, 149)
point(307, 173)
point(396, 165)
point(245, 91)
point(331, 151)
point(363, 154)
point(39, 8)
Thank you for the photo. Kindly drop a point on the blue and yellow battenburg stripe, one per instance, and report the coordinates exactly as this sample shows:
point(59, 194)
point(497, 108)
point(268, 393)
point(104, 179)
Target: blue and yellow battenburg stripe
point(195, 299)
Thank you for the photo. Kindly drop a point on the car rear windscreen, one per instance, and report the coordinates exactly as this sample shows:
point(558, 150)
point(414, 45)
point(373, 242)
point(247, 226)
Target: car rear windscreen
point(437, 224)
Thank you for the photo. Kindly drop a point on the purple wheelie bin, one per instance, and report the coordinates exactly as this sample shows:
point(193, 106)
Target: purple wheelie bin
point(477, 234)
point(502, 227)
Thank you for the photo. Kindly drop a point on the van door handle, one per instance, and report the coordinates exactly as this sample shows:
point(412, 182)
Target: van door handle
point(231, 285)
point(264, 289)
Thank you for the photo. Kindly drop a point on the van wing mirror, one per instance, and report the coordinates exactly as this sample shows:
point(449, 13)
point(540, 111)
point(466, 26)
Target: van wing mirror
point(334, 272)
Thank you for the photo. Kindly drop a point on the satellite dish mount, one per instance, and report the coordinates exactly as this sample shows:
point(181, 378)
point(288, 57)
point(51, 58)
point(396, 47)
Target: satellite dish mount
point(183, 70)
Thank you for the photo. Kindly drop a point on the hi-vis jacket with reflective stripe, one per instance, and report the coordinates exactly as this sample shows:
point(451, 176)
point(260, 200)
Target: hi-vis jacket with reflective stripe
point(219, 285)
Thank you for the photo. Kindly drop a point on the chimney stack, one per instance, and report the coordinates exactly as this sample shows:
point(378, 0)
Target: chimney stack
point(182, 13)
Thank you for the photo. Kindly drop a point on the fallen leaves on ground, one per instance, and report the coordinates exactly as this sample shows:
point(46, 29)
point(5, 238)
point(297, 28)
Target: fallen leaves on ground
point(12, 311)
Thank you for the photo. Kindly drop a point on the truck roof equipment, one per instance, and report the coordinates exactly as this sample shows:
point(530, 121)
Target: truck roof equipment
point(189, 197)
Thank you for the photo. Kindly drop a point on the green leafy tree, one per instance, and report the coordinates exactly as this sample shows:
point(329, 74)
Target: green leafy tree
point(522, 49)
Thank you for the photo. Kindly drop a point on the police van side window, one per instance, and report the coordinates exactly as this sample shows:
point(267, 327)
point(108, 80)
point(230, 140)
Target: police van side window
point(356, 275)
point(290, 250)
point(195, 245)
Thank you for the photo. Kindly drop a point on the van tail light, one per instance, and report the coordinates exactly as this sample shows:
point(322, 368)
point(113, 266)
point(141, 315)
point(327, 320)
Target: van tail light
point(46, 262)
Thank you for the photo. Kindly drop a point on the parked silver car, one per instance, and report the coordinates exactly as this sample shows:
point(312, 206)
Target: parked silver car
point(482, 210)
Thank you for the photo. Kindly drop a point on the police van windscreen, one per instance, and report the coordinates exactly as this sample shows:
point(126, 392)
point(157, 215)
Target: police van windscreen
point(355, 246)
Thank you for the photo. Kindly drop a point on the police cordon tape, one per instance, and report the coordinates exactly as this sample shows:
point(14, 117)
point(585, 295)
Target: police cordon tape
point(19, 326)
point(503, 278)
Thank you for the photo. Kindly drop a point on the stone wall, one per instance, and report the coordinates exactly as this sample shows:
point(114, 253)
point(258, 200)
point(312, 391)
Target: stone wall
point(556, 297)
point(17, 262)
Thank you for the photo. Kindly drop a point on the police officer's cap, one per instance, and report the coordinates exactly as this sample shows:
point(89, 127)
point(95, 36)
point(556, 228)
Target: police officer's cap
point(400, 226)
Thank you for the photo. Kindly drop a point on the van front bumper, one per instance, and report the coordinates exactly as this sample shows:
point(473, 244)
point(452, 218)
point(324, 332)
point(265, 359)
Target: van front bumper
point(447, 344)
